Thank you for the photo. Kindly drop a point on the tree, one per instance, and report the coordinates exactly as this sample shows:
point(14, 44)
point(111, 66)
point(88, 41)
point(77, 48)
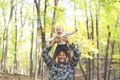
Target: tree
point(5, 51)
point(16, 55)
point(37, 3)
point(106, 56)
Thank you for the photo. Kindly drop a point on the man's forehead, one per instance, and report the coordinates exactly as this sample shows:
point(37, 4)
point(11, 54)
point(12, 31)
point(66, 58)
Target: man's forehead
point(62, 52)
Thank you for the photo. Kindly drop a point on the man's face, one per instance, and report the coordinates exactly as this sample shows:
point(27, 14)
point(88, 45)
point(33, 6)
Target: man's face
point(62, 57)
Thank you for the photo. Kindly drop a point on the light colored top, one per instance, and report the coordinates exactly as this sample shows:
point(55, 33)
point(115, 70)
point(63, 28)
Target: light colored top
point(60, 36)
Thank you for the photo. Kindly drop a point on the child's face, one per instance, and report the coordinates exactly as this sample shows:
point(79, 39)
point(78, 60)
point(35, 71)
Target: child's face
point(59, 30)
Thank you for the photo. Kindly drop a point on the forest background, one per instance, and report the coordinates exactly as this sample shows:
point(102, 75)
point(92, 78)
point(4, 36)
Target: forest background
point(26, 24)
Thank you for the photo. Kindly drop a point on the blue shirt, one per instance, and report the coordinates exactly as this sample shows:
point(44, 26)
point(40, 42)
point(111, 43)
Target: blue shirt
point(59, 71)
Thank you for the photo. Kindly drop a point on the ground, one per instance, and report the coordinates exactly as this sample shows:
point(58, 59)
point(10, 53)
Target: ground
point(5, 76)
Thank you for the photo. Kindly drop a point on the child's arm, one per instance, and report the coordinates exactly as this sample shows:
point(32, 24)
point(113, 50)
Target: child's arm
point(72, 32)
point(50, 39)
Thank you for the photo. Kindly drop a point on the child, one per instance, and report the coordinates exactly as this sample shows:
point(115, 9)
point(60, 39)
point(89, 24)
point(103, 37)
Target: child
point(60, 34)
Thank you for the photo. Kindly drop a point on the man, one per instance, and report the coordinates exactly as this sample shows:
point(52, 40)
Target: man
point(63, 69)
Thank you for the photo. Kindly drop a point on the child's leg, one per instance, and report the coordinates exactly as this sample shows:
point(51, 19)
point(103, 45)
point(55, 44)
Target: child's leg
point(68, 52)
point(69, 56)
point(57, 50)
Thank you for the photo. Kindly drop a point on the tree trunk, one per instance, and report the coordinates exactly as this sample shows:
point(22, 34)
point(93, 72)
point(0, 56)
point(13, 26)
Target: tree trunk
point(3, 50)
point(83, 72)
point(75, 27)
point(15, 55)
point(92, 36)
point(31, 50)
point(7, 37)
point(43, 40)
point(22, 22)
point(113, 45)
point(88, 65)
point(106, 55)
point(54, 16)
point(98, 43)
point(3, 45)
point(39, 28)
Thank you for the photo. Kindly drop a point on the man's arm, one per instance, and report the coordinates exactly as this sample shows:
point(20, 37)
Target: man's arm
point(45, 54)
point(76, 52)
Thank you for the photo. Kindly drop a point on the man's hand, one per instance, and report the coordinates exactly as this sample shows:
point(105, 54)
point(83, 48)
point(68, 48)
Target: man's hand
point(65, 38)
point(56, 40)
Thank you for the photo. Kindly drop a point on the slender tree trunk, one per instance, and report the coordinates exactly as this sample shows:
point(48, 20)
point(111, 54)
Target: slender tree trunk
point(43, 40)
point(88, 66)
point(119, 59)
point(112, 52)
point(75, 27)
point(39, 29)
point(83, 72)
point(19, 38)
point(5, 53)
point(3, 50)
point(98, 43)
point(92, 36)
point(31, 50)
point(54, 16)
point(15, 55)
point(7, 37)
point(87, 26)
point(98, 55)
point(3, 45)
point(106, 55)
point(113, 45)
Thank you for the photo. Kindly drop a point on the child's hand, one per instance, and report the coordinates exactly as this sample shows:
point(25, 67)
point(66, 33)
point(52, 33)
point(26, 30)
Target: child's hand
point(56, 40)
point(76, 29)
point(64, 38)
point(67, 40)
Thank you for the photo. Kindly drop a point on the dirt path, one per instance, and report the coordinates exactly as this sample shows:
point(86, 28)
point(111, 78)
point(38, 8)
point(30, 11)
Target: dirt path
point(4, 76)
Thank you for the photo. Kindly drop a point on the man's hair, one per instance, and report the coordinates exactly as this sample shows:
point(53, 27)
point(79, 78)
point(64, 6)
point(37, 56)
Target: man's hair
point(62, 49)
